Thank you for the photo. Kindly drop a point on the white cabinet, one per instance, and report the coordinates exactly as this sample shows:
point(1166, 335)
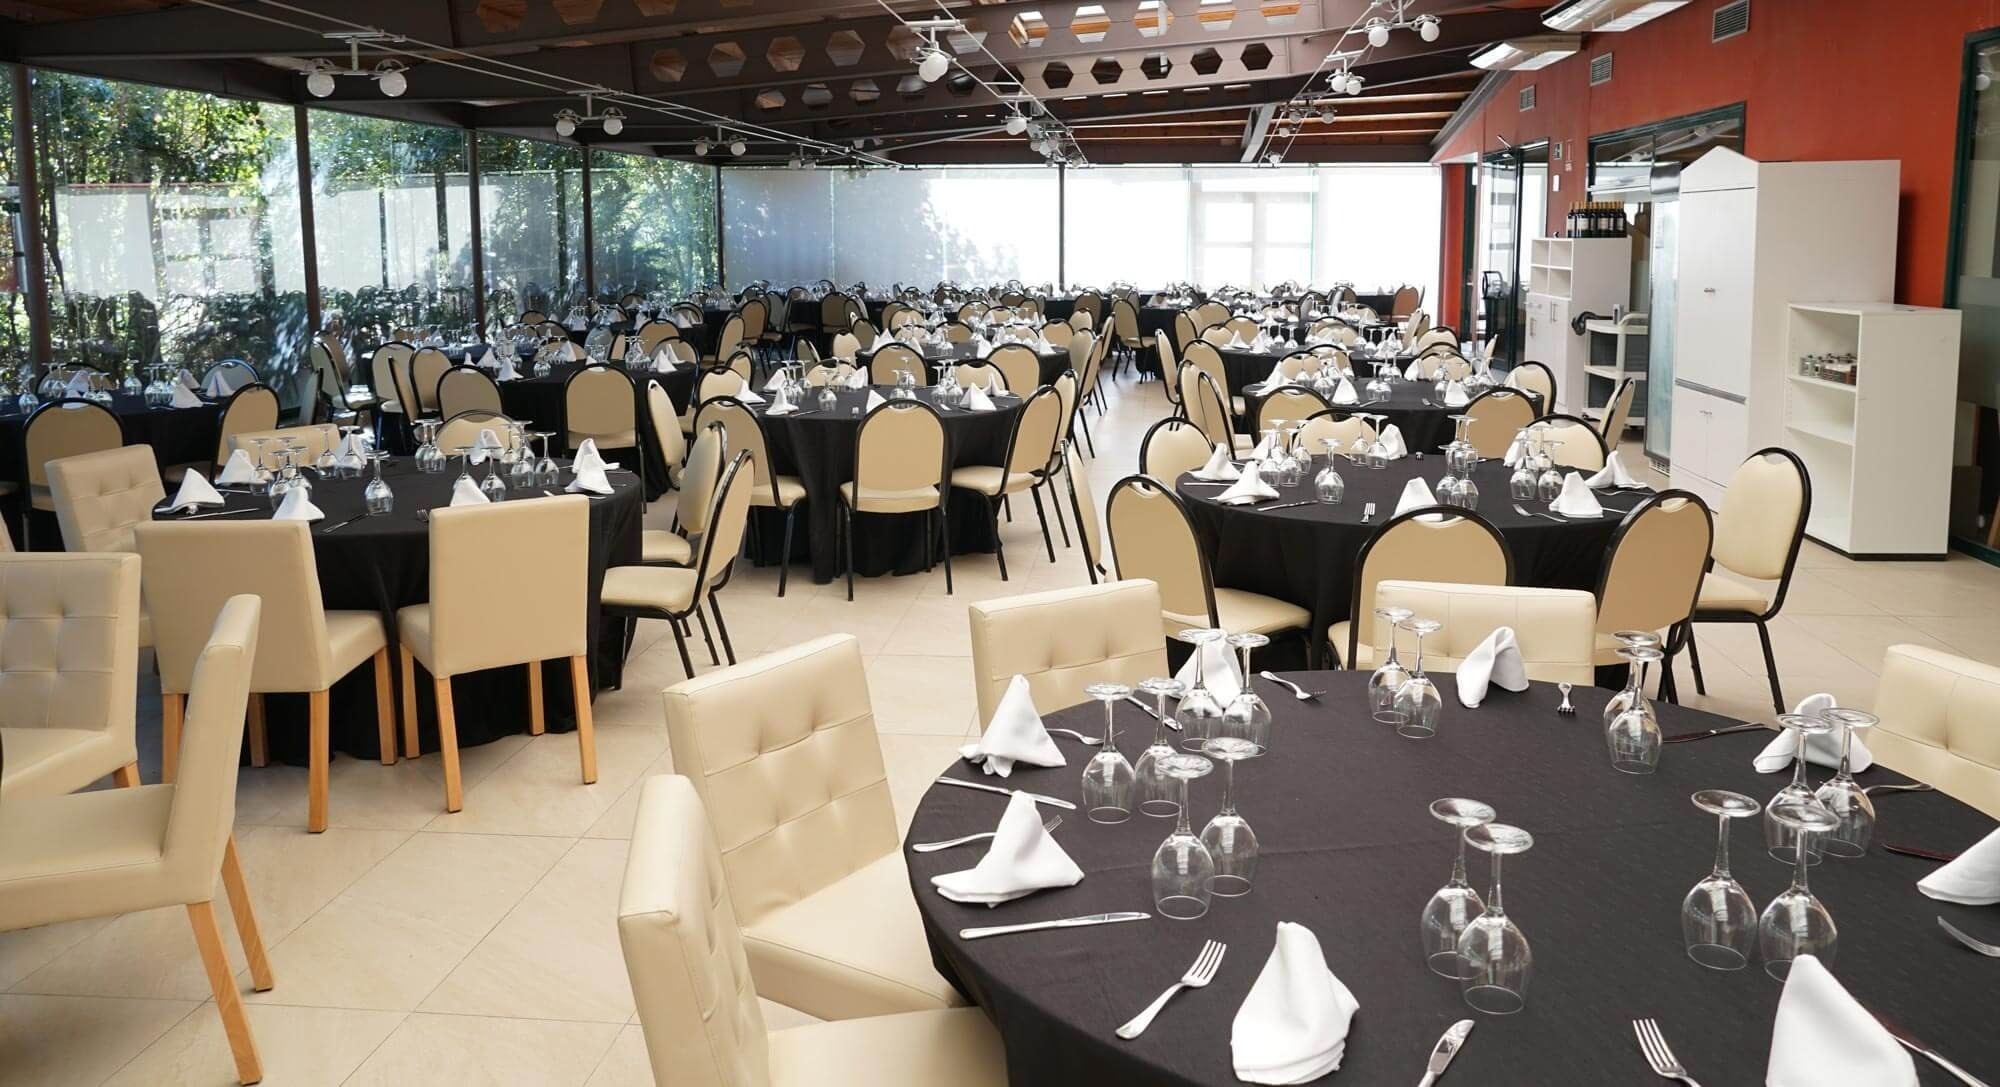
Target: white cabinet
point(1709, 441)
point(1568, 276)
point(1713, 351)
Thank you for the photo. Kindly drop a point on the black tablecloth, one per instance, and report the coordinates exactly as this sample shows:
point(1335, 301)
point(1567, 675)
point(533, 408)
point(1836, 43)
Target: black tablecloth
point(1059, 309)
point(1413, 408)
point(177, 436)
point(818, 447)
point(1351, 852)
point(1307, 554)
point(539, 402)
point(1053, 362)
point(382, 563)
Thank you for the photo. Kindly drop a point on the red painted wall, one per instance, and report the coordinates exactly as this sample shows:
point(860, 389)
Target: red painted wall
point(1451, 243)
point(1819, 79)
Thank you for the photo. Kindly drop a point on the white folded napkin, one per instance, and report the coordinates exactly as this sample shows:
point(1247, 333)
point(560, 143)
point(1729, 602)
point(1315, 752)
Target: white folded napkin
point(587, 454)
point(508, 371)
point(1576, 499)
point(1219, 466)
point(196, 491)
point(78, 387)
point(977, 400)
point(186, 381)
point(184, 397)
point(218, 384)
point(487, 440)
point(237, 470)
point(1824, 1038)
point(1236, 341)
point(1454, 395)
point(1263, 449)
point(780, 406)
point(1022, 859)
point(874, 401)
point(858, 379)
point(488, 360)
point(1414, 371)
point(1344, 393)
point(1497, 660)
point(1822, 749)
point(465, 492)
point(1973, 879)
point(1248, 488)
point(351, 452)
point(1015, 734)
point(1277, 376)
point(748, 395)
point(1516, 449)
point(664, 361)
point(1392, 440)
point(1292, 1028)
point(981, 349)
point(589, 477)
point(1416, 495)
point(1613, 474)
point(1218, 672)
point(298, 506)
point(993, 387)
point(777, 381)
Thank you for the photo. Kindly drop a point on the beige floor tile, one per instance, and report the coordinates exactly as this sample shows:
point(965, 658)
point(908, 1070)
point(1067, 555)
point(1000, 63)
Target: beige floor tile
point(925, 695)
point(299, 1047)
point(626, 1064)
point(472, 1051)
point(366, 794)
point(27, 950)
point(616, 822)
point(541, 790)
point(62, 1041)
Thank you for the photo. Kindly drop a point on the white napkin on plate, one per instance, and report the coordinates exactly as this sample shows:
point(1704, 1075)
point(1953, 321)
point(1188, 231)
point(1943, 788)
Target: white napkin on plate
point(858, 379)
point(1497, 660)
point(237, 469)
point(1973, 879)
point(1022, 859)
point(1248, 488)
point(1292, 1028)
point(185, 397)
point(589, 477)
point(1821, 750)
point(977, 400)
point(1344, 393)
point(587, 454)
point(1454, 395)
point(465, 492)
point(298, 506)
point(874, 401)
point(489, 440)
point(748, 395)
point(1613, 474)
point(1416, 495)
point(1823, 1038)
point(1392, 439)
point(1576, 499)
point(1218, 669)
point(196, 491)
point(1015, 734)
point(1219, 466)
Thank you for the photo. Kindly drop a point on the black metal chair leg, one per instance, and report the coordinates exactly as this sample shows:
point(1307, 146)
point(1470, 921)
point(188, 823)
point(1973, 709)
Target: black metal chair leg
point(1087, 439)
point(1061, 524)
point(847, 545)
point(721, 628)
point(680, 641)
point(1008, 508)
point(785, 555)
point(1771, 666)
point(1035, 492)
point(1694, 663)
point(1669, 690)
point(999, 546)
point(713, 658)
point(944, 544)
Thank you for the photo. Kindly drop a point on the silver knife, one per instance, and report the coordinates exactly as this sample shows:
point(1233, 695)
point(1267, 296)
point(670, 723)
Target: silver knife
point(1447, 1047)
point(1036, 797)
point(1067, 922)
point(1150, 712)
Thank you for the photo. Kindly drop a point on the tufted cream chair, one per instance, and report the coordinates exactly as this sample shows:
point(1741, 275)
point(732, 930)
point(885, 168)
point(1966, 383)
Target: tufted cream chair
point(1938, 713)
point(82, 855)
point(782, 751)
point(100, 496)
point(69, 672)
point(1065, 640)
point(1413, 547)
point(1652, 576)
point(194, 567)
point(1555, 628)
point(1758, 532)
point(678, 922)
point(467, 627)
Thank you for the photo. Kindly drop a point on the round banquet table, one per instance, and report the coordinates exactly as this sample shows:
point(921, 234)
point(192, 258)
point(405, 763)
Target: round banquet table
point(382, 563)
point(1243, 367)
point(1307, 554)
point(1350, 851)
point(538, 401)
point(1413, 408)
point(818, 447)
point(176, 435)
point(1053, 361)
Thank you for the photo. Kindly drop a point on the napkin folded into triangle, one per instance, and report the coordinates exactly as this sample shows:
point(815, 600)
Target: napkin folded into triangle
point(196, 491)
point(465, 493)
point(1494, 662)
point(237, 470)
point(1824, 1038)
point(1516, 449)
point(298, 506)
point(749, 395)
point(1454, 395)
point(79, 385)
point(874, 401)
point(1392, 440)
point(1576, 499)
point(488, 360)
point(777, 382)
point(587, 455)
point(1219, 466)
point(185, 397)
point(1292, 1027)
point(1613, 474)
point(1822, 749)
point(1973, 879)
point(1263, 449)
point(485, 446)
point(1344, 393)
point(1413, 372)
point(1217, 671)
point(977, 400)
point(589, 477)
point(1022, 859)
point(508, 371)
point(858, 379)
point(663, 359)
point(1416, 495)
point(186, 380)
point(1015, 734)
point(352, 451)
point(219, 383)
point(1248, 488)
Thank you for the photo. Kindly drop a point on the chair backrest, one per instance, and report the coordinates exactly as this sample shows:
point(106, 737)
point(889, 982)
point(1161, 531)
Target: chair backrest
point(1762, 521)
point(718, 381)
point(1535, 378)
point(1089, 520)
point(250, 408)
point(891, 357)
point(1214, 336)
point(846, 345)
point(864, 334)
point(204, 804)
point(1185, 330)
point(699, 478)
point(1496, 416)
point(900, 446)
point(1125, 321)
point(1939, 715)
point(1581, 446)
point(69, 657)
point(460, 433)
point(1064, 641)
point(1203, 356)
point(683, 945)
point(957, 332)
point(725, 523)
point(1210, 314)
point(755, 314)
point(684, 352)
point(1152, 538)
point(1036, 430)
point(69, 428)
point(466, 388)
point(1346, 430)
point(783, 752)
point(474, 548)
point(1556, 629)
point(666, 424)
point(1420, 545)
point(1020, 365)
point(388, 370)
point(1246, 327)
point(730, 337)
point(194, 567)
point(1171, 448)
point(598, 403)
point(1617, 411)
point(1206, 407)
point(976, 374)
point(1290, 404)
point(1654, 564)
point(1436, 337)
point(312, 440)
point(653, 333)
point(1405, 300)
point(427, 367)
point(100, 496)
point(746, 435)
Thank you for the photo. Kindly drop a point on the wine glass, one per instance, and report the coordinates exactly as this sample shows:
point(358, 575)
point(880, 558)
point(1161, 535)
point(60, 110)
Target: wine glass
point(260, 477)
point(547, 472)
point(1633, 737)
point(1378, 450)
point(1796, 923)
point(1182, 866)
point(1108, 780)
point(1244, 732)
point(494, 487)
point(1200, 708)
point(377, 496)
point(1842, 795)
point(1455, 904)
point(1494, 961)
point(1715, 915)
point(1521, 484)
point(1158, 793)
point(521, 469)
point(1328, 487)
point(1390, 675)
point(1418, 702)
point(1549, 484)
point(1781, 839)
point(1635, 682)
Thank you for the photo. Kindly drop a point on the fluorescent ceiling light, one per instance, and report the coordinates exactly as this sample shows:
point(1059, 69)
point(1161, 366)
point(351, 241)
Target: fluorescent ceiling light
point(1527, 54)
point(1606, 16)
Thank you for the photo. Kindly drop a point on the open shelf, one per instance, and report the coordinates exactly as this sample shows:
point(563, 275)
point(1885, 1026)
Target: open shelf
point(1823, 431)
point(1822, 383)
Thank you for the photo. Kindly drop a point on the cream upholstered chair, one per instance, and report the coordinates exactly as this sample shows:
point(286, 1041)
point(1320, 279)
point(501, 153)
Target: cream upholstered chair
point(1497, 415)
point(248, 410)
point(313, 440)
point(1652, 576)
point(783, 752)
point(653, 333)
point(1616, 410)
point(1535, 378)
point(1089, 525)
point(770, 490)
point(100, 496)
point(69, 668)
point(1171, 448)
point(1345, 430)
point(428, 367)
point(727, 340)
point(677, 593)
point(1065, 640)
point(883, 364)
point(1289, 405)
point(460, 432)
point(1025, 467)
point(386, 370)
point(64, 428)
point(826, 372)
point(692, 962)
point(1758, 532)
point(976, 374)
point(1436, 337)
point(1204, 356)
point(1581, 448)
point(467, 627)
point(741, 363)
point(901, 463)
point(1019, 364)
point(193, 568)
point(1554, 628)
point(598, 403)
point(665, 547)
point(846, 345)
point(1203, 400)
point(465, 388)
point(1152, 538)
point(69, 857)
point(1418, 545)
point(665, 424)
point(1938, 713)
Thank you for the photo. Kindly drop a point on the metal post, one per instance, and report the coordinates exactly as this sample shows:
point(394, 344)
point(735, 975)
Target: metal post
point(302, 134)
point(589, 241)
point(721, 260)
point(478, 230)
point(1062, 220)
point(35, 279)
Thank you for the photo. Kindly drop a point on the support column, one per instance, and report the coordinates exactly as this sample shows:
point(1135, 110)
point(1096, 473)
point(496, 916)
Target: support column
point(589, 239)
point(34, 273)
point(478, 232)
point(308, 241)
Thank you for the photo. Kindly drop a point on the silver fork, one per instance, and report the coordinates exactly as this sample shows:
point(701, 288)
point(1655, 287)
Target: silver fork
point(1978, 945)
point(1049, 824)
point(1526, 512)
point(1075, 735)
point(1298, 692)
point(1198, 975)
point(1658, 1054)
point(1912, 787)
point(1565, 708)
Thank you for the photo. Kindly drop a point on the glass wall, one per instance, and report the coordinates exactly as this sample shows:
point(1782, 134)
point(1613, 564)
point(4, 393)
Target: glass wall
point(171, 225)
point(652, 224)
point(530, 226)
point(14, 324)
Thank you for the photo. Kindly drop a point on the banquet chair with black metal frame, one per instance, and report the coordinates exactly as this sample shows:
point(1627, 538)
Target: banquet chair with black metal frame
point(59, 429)
point(1066, 386)
point(684, 352)
point(1125, 326)
point(1171, 448)
point(767, 489)
point(1616, 411)
point(1186, 331)
point(387, 379)
point(1554, 629)
point(1090, 377)
point(1019, 365)
point(310, 440)
point(901, 465)
point(1298, 364)
point(427, 367)
point(675, 546)
point(1937, 712)
point(1496, 417)
point(1535, 378)
point(1024, 466)
point(676, 593)
point(1345, 429)
point(249, 409)
point(1205, 407)
point(756, 316)
point(846, 345)
point(1652, 577)
point(891, 357)
point(666, 427)
point(1436, 337)
point(468, 627)
point(1288, 405)
point(957, 332)
point(979, 374)
point(460, 433)
point(1063, 641)
point(600, 403)
point(972, 309)
point(1204, 356)
point(463, 388)
point(533, 317)
point(1213, 336)
point(727, 340)
point(1418, 327)
point(1210, 314)
point(194, 567)
point(1581, 447)
point(655, 332)
point(1089, 523)
point(70, 629)
point(715, 381)
point(1758, 532)
point(233, 373)
point(1246, 327)
point(332, 388)
point(1429, 543)
point(741, 363)
point(864, 334)
point(826, 373)
point(1404, 302)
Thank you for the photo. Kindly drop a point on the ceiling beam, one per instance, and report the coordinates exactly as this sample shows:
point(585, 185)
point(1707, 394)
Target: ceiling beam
point(1254, 128)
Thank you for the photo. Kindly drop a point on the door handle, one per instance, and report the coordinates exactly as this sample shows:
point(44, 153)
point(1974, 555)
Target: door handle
point(1708, 290)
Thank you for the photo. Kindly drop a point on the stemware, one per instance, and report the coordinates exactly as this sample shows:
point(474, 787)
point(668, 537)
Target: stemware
point(1328, 487)
point(547, 472)
point(1781, 839)
point(1635, 683)
point(260, 478)
point(1521, 484)
point(1455, 904)
point(1243, 732)
point(377, 496)
point(1549, 484)
point(1494, 960)
point(1796, 923)
point(1842, 795)
point(1182, 866)
point(1418, 702)
point(1108, 780)
point(520, 459)
point(429, 458)
point(1390, 675)
point(494, 487)
point(1633, 737)
point(1200, 708)
point(1715, 916)
point(1378, 450)
point(1159, 796)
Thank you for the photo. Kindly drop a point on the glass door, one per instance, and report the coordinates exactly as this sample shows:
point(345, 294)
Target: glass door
point(1499, 234)
point(1972, 284)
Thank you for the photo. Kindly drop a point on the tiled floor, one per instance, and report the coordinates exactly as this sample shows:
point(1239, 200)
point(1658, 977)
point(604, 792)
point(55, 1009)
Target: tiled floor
point(411, 946)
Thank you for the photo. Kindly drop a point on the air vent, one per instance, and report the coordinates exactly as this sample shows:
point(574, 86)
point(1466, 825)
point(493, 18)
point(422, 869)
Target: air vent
point(1730, 20)
point(1528, 97)
point(1600, 69)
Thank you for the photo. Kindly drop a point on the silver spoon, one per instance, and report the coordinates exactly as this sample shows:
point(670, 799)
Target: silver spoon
point(1980, 946)
point(1298, 692)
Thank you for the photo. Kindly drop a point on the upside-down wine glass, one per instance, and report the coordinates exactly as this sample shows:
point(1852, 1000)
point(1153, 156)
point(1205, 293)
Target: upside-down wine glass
point(1243, 732)
point(1842, 795)
point(494, 487)
point(1108, 780)
point(1494, 960)
point(1455, 904)
point(1390, 675)
point(547, 472)
point(1796, 923)
point(1159, 795)
point(1328, 487)
point(1717, 925)
point(1549, 484)
point(1418, 702)
point(377, 496)
point(1781, 838)
point(1633, 737)
point(1182, 866)
point(1635, 683)
point(1200, 708)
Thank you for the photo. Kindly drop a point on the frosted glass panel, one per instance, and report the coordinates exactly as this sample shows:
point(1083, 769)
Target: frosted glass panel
point(1129, 224)
point(777, 225)
point(1378, 226)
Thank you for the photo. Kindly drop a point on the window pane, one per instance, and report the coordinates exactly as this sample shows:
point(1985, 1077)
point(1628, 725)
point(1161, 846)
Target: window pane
point(1227, 222)
point(531, 225)
point(1127, 224)
point(652, 224)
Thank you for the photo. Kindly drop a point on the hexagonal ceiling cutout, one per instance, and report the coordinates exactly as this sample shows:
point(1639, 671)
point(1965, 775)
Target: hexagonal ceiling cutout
point(912, 86)
point(816, 96)
point(668, 66)
point(1056, 75)
point(864, 91)
point(785, 54)
point(967, 39)
point(1256, 57)
point(1090, 24)
point(844, 48)
point(501, 16)
point(577, 12)
point(1107, 71)
point(1152, 18)
point(769, 100)
point(960, 83)
point(1216, 15)
point(1280, 13)
point(1206, 60)
point(1156, 66)
point(1028, 29)
point(725, 59)
point(903, 42)
point(656, 9)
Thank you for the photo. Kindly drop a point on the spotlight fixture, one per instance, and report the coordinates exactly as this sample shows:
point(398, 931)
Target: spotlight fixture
point(566, 120)
point(319, 81)
point(388, 75)
point(1016, 124)
point(933, 64)
point(738, 147)
point(932, 59)
point(1429, 27)
point(1353, 84)
point(569, 120)
point(1378, 33)
point(614, 121)
point(701, 149)
point(1398, 17)
point(1326, 116)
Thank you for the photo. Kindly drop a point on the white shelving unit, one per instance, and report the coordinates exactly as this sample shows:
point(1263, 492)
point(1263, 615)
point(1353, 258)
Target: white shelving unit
point(1567, 276)
point(1879, 450)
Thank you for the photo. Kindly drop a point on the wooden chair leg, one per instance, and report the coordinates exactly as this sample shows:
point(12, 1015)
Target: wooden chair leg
point(454, 789)
point(319, 753)
point(586, 729)
point(385, 708)
point(259, 746)
point(537, 716)
point(172, 706)
point(126, 776)
point(412, 748)
point(247, 932)
point(208, 937)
